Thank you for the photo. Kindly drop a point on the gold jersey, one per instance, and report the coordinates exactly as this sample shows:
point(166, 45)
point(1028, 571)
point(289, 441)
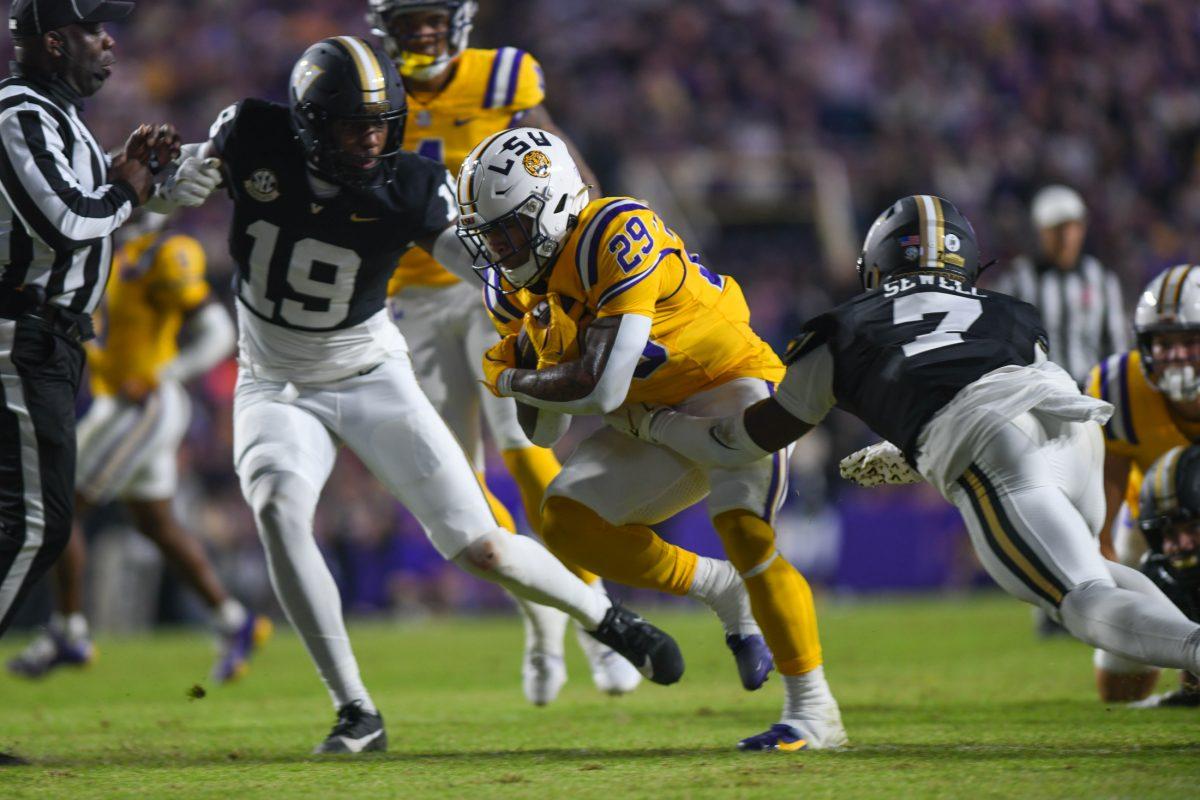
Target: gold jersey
point(488, 92)
point(622, 259)
point(1141, 428)
point(154, 282)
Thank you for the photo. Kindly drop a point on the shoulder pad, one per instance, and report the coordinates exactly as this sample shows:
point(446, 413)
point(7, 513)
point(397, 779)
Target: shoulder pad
point(814, 334)
point(1112, 385)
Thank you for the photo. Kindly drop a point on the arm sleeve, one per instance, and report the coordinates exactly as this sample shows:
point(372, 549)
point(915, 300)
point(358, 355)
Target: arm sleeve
point(612, 386)
point(39, 183)
point(210, 338)
point(806, 391)
point(718, 442)
point(449, 251)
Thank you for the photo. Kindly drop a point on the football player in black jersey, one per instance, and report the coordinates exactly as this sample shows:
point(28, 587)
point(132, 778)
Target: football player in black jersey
point(325, 202)
point(1169, 518)
point(957, 380)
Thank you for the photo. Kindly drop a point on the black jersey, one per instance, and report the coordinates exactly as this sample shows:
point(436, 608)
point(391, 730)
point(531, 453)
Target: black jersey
point(309, 262)
point(903, 351)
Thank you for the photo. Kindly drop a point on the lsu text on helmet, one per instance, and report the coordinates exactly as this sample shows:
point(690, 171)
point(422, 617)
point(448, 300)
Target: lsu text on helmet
point(422, 55)
point(344, 87)
point(919, 234)
point(519, 196)
point(1167, 325)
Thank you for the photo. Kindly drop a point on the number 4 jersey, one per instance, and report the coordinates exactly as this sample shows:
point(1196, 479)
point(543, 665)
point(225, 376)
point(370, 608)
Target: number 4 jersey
point(897, 355)
point(622, 259)
point(313, 259)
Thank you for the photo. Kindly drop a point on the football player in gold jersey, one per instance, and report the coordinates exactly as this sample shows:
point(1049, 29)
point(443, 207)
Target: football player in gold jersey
point(617, 310)
point(1155, 392)
point(458, 95)
point(129, 437)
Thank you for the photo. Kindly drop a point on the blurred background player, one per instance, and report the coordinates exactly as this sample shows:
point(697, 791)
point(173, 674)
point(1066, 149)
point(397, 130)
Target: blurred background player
point(1155, 391)
point(1080, 299)
point(660, 327)
point(1169, 520)
point(158, 328)
point(457, 97)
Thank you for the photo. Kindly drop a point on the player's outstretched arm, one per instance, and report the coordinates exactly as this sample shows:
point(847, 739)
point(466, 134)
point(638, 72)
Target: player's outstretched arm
point(189, 181)
point(595, 383)
point(725, 442)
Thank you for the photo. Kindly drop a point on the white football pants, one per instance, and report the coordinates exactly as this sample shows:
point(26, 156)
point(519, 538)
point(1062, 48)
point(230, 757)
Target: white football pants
point(1033, 501)
point(285, 440)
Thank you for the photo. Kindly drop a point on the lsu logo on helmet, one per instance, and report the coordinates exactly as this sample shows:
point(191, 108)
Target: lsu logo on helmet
point(537, 164)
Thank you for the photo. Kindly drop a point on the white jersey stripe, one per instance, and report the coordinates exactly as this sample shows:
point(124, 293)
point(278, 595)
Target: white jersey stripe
point(503, 66)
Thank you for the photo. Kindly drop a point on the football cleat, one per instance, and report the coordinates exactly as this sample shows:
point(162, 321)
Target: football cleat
point(50, 651)
point(12, 760)
point(611, 673)
point(778, 737)
point(1180, 698)
point(753, 657)
point(542, 677)
point(804, 734)
point(355, 731)
point(233, 660)
point(652, 651)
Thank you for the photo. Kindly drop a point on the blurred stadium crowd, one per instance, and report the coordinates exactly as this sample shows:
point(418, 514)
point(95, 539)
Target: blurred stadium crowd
point(768, 131)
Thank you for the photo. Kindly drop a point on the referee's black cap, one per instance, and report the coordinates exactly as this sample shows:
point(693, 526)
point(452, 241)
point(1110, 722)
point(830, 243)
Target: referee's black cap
point(35, 17)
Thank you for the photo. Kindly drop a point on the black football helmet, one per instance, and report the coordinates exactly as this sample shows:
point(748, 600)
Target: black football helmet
point(345, 78)
point(920, 233)
point(1171, 496)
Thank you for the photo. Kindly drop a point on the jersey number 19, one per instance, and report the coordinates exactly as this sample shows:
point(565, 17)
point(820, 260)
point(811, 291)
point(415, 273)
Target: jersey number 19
point(321, 275)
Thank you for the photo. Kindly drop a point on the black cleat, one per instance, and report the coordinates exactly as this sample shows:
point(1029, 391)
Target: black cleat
point(10, 760)
point(652, 651)
point(355, 731)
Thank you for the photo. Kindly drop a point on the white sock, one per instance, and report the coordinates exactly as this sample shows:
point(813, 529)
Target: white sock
point(544, 628)
point(718, 585)
point(805, 695)
point(527, 569)
point(73, 627)
point(229, 617)
point(284, 504)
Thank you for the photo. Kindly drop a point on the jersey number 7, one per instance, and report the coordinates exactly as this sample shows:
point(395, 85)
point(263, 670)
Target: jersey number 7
point(960, 314)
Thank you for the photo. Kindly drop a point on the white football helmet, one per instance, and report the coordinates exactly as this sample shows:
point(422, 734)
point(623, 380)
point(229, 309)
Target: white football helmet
point(519, 196)
point(382, 15)
point(1171, 302)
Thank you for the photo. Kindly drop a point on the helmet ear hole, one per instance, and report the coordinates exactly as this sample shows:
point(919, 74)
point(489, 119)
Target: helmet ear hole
point(562, 203)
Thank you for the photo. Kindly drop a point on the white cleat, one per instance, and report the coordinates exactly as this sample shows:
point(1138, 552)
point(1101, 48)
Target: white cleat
point(611, 672)
point(542, 677)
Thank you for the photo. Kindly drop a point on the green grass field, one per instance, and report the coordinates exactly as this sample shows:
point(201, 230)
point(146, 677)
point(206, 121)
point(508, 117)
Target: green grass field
point(950, 698)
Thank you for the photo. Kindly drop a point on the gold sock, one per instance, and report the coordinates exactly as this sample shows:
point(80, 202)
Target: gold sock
point(533, 468)
point(779, 596)
point(630, 554)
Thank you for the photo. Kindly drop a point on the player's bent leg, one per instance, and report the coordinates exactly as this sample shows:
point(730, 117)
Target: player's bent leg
point(1034, 542)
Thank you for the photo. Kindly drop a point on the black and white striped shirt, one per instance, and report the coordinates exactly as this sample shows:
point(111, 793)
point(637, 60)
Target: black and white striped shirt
point(57, 211)
point(1083, 310)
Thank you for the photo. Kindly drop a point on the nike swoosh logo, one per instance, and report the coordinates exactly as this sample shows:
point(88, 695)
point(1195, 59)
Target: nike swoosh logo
point(712, 434)
point(458, 123)
point(647, 668)
point(790, 747)
point(357, 745)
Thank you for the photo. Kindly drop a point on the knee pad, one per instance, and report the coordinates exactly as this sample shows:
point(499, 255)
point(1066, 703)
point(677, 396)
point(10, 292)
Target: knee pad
point(749, 540)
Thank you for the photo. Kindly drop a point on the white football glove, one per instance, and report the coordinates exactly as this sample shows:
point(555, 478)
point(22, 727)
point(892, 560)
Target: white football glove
point(882, 462)
point(189, 186)
point(634, 419)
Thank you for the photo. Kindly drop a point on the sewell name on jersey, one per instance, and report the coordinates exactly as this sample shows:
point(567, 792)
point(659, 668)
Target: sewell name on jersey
point(895, 287)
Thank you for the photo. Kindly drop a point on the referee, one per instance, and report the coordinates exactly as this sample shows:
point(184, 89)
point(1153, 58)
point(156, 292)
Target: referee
point(60, 200)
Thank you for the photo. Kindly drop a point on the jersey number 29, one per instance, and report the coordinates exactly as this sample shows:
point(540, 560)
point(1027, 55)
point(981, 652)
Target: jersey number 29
point(960, 314)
